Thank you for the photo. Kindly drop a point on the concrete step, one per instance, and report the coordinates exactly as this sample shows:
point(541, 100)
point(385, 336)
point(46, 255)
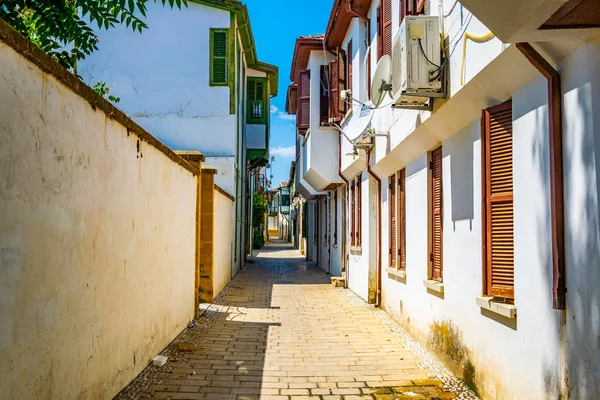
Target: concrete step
point(338, 282)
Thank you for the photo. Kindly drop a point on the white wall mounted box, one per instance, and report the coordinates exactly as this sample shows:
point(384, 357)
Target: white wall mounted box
point(416, 61)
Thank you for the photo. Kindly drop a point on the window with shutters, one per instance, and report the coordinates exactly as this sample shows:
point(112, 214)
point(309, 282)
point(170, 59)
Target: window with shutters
point(356, 211)
point(303, 114)
point(436, 256)
point(350, 57)
point(411, 7)
point(352, 211)
point(359, 210)
point(337, 83)
point(397, 217)
point(256, 101)
point(380, 31)
point(386, 28)
point(393, 212)
point(335, 216)
point(324, 95)
point(498, 219)
point(219, 64)
point(341, 103)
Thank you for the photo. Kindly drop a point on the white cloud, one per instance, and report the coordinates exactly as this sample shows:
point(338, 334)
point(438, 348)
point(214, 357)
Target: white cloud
point(285, 116)
point(282, 115)
point(289, 151)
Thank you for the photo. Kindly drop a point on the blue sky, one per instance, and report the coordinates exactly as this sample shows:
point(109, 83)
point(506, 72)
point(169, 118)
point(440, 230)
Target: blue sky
point(276, 25)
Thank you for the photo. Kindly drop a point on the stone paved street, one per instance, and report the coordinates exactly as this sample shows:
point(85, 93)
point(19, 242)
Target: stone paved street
point(282, 331)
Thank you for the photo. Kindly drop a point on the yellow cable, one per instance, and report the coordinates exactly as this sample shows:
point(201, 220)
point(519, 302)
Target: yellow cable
point(478, 39)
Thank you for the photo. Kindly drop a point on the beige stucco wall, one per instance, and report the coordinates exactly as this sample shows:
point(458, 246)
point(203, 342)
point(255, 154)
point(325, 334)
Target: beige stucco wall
point(223, 241)
point(97, 243)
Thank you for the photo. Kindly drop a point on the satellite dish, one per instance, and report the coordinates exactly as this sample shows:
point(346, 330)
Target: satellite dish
point(358, 123)
point(381, 83)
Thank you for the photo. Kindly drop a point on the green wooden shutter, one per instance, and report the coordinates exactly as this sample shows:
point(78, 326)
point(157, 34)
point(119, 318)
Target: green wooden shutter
point(256, 100)
point(219, 70)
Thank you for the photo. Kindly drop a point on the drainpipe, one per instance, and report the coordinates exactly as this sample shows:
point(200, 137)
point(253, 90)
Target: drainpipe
point(559, 287)
point(343, 241)
point(378, 180)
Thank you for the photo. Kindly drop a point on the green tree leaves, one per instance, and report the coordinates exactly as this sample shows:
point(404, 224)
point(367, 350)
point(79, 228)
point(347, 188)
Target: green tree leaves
point(60, 27)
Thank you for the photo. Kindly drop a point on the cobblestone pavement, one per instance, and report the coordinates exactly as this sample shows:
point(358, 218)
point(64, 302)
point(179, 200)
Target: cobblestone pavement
point(281, 331)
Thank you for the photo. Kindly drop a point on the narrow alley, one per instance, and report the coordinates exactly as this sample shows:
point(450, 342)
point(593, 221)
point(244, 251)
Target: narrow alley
point(281, 329)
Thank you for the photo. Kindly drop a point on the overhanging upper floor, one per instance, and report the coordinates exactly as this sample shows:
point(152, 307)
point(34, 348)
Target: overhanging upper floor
point(514, 21)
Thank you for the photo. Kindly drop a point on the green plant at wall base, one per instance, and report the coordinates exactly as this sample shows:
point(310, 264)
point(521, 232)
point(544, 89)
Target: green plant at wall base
point(102, 90)
point(203, 275)
point(259, 240)
point(62, 27)
point(259, 208)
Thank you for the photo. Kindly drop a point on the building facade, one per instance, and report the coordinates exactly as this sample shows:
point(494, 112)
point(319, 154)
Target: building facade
point(464, 201)
point(201, 87)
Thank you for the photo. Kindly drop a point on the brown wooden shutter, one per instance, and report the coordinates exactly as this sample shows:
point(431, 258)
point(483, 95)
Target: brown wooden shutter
point(401, 197)
point(403, 9)
point(436, 215)
point(324, 96)
point(498, 148)
point(335, 216)
point(387, 27)
point(379, 32)
point(369, 74)
point(359, 214)
point(353, 214)
point(393, 228)
point(341, 59)
point(334, 92)
point(350, 65)
point(303, 116)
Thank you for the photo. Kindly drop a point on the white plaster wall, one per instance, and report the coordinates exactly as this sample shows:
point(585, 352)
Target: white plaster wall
point(363, 261)
point(401, 122)
point(97, 243)
point(225, 176)
point(490, 344)
point(323, 235)
point(224, 224)
point(336, 248)
point(240, 162)
point(581, 87)
point(311, 235)
point(321, 145)
point(535, 337)
point(162, 77)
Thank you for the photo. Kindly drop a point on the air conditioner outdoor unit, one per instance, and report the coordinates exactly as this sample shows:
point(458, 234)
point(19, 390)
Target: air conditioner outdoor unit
point(416, 61)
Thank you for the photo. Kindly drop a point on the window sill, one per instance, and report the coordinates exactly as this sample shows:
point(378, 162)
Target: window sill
point(396, 272)
point(355, 250)
point(504, 309)
point(434, 285)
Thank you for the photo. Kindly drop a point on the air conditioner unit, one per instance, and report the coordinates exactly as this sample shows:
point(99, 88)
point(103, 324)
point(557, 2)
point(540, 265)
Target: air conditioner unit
point(416, 61)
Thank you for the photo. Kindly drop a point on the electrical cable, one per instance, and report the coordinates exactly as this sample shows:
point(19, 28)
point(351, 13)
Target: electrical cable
point(451, 9)
point(427, 58)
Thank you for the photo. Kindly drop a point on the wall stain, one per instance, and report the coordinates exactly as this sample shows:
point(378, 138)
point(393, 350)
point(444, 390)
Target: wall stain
point(447, 338)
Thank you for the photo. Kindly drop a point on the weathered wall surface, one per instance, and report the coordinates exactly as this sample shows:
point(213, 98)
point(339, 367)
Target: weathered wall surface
point(97, 237)
point(557, 351)
point(224, 223)
point(176, 65)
